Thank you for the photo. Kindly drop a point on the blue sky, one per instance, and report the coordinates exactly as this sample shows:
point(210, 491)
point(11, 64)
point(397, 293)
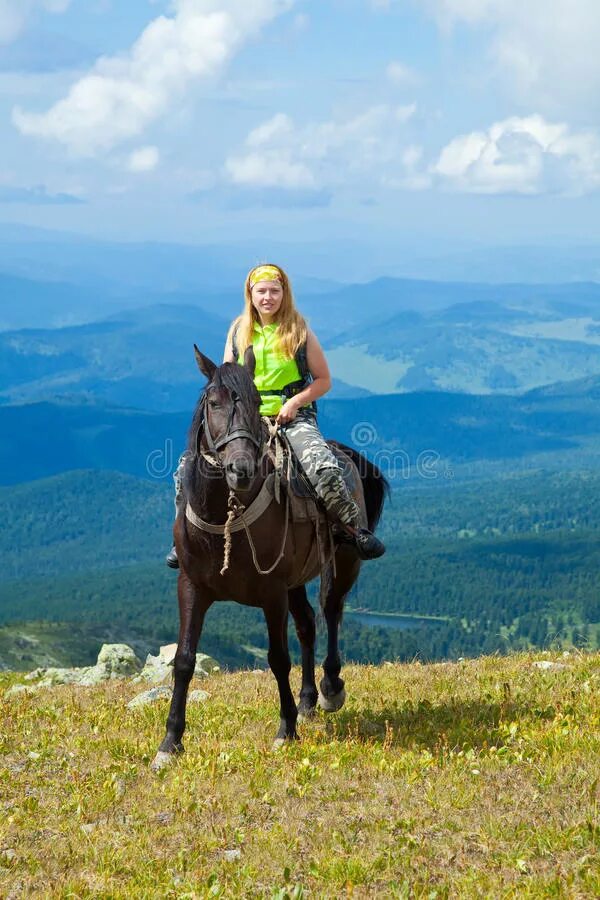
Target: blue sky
point(439, 122)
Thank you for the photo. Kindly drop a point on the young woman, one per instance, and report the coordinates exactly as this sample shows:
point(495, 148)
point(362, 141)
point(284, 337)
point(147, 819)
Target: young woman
point(291, 373)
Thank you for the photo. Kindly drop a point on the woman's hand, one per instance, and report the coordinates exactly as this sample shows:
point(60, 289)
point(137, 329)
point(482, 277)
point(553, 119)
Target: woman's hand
point(288, 411)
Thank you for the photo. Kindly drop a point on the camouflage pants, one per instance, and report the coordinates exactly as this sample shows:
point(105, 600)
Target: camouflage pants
point(178, 479)
point(318, 463)
point(321, 468)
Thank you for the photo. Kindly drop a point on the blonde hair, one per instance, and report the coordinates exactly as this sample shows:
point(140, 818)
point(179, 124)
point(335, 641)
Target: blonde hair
point(292, 330)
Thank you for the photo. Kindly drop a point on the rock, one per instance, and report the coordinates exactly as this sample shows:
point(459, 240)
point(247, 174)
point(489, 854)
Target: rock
point(86, 675)
point(205, 665)
point(8, 854)
point(155, 671)
point(118, 660)
point(158, 669)
point(163, 818)
point(156, 693)
point(547, 664)
point(231, 855)
point(198, 696)
point(18, 690)
point(167, 653)
point(37, 673)
point(114, 661)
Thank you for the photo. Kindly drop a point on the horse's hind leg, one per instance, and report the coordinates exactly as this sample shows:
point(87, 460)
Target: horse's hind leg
point(193, 604)
point(304, 620)
point(332, 694)
point(276, 614)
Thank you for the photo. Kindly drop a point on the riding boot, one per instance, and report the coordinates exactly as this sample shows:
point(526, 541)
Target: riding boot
point(171, 558)
point(344, 512)
point(366, 543)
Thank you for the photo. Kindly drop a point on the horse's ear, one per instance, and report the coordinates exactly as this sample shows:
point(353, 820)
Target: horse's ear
point(250, 361)
point(206, 365)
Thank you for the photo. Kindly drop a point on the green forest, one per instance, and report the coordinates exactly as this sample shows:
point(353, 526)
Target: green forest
point(504, 564)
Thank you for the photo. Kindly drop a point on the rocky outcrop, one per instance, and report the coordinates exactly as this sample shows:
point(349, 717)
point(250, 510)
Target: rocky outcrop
point(120, 661)
point(160, 668)
point(114, 661)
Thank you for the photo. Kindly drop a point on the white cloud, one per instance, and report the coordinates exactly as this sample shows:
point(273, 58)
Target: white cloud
point(122, 95)
point(521, 155)
point(358, 151)
point(401, 75)
point(270, 169)
point(145, 159)
point(14, 15)
point(547, 48)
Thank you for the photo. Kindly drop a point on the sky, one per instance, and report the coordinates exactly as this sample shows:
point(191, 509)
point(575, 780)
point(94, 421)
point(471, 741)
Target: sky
point(436, 122)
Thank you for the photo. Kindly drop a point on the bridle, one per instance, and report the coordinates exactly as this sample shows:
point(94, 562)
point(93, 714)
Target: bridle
point(215, 445)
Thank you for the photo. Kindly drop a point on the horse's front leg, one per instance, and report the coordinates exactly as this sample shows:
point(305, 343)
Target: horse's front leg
point(276, 615)
point(193, 604)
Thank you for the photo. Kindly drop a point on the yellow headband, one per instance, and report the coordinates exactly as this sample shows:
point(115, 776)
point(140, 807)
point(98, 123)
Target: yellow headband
point(265, 273)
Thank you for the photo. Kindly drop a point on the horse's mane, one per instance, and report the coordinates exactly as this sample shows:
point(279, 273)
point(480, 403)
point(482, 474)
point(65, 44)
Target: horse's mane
point(236, 379)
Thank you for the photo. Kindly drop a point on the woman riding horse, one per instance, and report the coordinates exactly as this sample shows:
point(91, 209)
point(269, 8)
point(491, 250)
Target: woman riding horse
point(227, 473)
point(291, 374)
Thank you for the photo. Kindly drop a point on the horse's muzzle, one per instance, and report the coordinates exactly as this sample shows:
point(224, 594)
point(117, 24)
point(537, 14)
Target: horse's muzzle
point(240, 473)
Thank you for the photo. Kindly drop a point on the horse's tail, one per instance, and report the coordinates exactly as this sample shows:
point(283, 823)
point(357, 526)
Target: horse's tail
point(375, 485)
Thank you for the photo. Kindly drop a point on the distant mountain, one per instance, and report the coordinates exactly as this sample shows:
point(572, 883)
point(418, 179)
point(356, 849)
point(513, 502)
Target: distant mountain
point(157, 267)
point(484, 346)
point(38, 440)
point(141, 358)
point(388, 336)
point(138, 357)
point(582, 390)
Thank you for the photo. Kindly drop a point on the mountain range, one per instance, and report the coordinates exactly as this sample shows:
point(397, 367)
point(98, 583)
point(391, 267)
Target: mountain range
point(388, 336)
point(558, 425)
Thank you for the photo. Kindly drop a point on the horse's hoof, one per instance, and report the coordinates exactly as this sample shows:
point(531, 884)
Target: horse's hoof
point(305, 715)
point(162, 760)
point(333, 703)
point(280, 742)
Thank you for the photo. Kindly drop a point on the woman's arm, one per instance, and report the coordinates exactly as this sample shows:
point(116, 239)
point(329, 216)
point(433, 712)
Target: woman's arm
point(321, 383)
point(228, 355)
point(228, 352)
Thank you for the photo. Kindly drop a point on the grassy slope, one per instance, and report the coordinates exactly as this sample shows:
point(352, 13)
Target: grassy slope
point(466, 779)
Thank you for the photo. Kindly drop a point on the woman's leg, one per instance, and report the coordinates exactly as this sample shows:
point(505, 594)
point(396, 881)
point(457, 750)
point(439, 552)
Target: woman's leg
point(322, 469)
point(171, 558)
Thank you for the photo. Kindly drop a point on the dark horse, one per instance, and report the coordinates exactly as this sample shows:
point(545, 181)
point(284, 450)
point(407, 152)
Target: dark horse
point(226, 454)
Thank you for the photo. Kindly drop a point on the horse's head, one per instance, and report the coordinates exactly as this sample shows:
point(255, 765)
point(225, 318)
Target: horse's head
point(231, 428)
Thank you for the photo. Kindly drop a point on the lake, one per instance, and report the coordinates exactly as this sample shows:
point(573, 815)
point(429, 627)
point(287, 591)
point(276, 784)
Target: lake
point(380, 620)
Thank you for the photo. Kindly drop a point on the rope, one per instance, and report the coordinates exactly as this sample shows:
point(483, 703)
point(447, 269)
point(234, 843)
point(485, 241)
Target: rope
point(274, 438)
point(283, 543)
point(231, 514)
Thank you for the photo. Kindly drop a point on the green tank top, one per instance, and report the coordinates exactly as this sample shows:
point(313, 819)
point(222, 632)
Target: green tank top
point(273, 370)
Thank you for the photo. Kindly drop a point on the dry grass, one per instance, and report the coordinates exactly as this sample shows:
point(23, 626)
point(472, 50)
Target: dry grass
point(472, 779)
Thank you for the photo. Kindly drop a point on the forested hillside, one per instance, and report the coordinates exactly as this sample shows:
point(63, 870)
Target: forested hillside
point(506, 563)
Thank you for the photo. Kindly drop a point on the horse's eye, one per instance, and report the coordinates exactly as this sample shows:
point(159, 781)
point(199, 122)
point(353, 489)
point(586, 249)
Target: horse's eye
point(214, 404)
point(235, 397)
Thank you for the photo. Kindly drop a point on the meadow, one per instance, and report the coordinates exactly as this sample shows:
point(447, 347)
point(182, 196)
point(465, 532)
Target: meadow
point(477, 778)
